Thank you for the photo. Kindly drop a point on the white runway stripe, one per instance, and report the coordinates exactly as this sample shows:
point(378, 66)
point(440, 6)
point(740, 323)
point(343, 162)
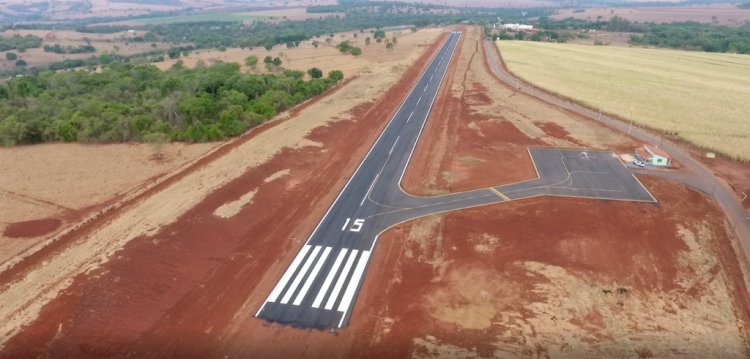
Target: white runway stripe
point(300, 275)
point(285, 278)
point(340, 281)
point(312, 276)
point(351, 288)
point(329, 279)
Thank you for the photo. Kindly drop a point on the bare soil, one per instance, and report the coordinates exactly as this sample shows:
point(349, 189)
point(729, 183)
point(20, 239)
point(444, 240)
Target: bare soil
point(61, 183)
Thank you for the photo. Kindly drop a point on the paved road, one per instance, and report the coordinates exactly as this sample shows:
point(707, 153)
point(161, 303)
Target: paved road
point(320, 286)
point(695, 174)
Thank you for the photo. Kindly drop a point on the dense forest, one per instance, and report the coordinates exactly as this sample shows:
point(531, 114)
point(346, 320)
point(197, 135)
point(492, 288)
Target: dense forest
point(125, 102)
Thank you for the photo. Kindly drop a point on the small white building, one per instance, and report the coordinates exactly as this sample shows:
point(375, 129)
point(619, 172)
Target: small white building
point(654, 156)
point(517, 27)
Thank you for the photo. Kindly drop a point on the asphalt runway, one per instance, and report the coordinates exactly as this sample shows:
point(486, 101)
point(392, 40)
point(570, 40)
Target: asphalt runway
point(319, 288)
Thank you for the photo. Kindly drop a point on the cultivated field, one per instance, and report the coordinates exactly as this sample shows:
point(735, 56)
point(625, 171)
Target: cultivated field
point(700, 97)
point(720, 14)
point(295, 13)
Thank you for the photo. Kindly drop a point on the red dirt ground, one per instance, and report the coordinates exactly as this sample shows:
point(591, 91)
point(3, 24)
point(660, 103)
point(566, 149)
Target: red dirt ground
point(33, 228)
point(554, 130)
point(192, 289)
point(555, 230)
point(446, 140)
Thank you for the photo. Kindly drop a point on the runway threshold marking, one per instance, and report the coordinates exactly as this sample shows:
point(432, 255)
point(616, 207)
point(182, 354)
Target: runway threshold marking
point(312, 276)
point(499, 194)
point(301, 274)
point(340, 282)
point(331, 274)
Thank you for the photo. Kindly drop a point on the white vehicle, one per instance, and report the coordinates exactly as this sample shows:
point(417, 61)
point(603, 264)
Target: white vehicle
point(639, 163)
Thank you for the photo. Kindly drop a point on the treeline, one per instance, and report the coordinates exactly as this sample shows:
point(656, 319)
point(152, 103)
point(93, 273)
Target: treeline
point(697, 37)
point(20, 43)
point(125, 102)
point(82, 49)
point(692, 36)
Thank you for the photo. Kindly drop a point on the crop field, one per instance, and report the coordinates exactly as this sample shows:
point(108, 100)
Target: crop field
point(234, 17)
point(700, 97)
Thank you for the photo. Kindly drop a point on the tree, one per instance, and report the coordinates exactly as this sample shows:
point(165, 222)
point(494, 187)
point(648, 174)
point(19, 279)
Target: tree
point(20, 63)
point(276, 61)
point(344, 46)
point(315, 44)
point(367, 41)
point(11, 56)
point(157, 140)
point(251, 61)
point(389, 46)
point(394, 41)
point(315, 73)
point(268, 60)
point(356, 51)
point(335, 76)
point(379, 35)
point(173, 53)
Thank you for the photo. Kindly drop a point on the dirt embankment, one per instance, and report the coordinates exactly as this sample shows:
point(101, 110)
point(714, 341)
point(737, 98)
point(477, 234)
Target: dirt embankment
point(191, 286)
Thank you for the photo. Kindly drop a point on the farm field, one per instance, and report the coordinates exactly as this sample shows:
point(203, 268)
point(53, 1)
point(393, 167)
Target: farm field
point(719, 14)
point(700, 97)
point(292, 13)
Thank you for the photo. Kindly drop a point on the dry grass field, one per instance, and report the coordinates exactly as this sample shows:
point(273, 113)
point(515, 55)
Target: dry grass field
point(719, 14)
point(700, 97)
point(326, 57)
point(116, 43)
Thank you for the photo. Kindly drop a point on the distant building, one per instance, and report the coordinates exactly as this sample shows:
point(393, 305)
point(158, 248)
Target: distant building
point(654, 156)
point(517, 27)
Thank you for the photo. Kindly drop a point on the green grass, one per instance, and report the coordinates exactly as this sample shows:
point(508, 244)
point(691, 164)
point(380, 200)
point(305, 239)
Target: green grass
point(703, 98)
point(233, 17)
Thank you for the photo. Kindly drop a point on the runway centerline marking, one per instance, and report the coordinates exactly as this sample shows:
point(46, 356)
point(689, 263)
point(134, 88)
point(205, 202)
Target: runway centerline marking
point(368, 191)
point(420, 99)
point(410, 115)
point(394, 145)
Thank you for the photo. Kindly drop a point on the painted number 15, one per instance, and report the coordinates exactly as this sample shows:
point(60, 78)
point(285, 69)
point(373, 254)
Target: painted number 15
point(356, 225)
